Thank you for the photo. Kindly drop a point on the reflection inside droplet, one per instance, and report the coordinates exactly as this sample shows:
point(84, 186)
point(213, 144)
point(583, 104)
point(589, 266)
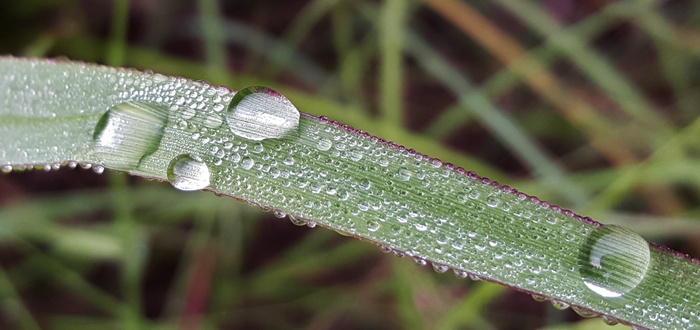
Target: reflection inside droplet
point(259, 113)
point(613, 260)
point(128, 132)
point(187, 173)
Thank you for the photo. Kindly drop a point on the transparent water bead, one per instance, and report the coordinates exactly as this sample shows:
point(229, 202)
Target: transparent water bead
point(187, 173)
point(128, 132)
point(259, 113)
point(324, 144)
point(613, 260)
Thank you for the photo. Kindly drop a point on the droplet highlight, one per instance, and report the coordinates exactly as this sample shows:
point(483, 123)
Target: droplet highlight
point(187, 173)
point(613, 260)
point(259, 113)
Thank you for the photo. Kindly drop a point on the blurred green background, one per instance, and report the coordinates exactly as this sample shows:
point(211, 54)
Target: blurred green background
point(589, 104)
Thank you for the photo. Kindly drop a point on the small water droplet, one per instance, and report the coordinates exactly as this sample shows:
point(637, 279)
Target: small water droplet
point(403, 174)
point(539, 298)
point(297, 221)
point(372, 225)
point(218, 107)
point(462, 197)
point(420, 261)
point(609, 320)
point(584, 312)
point(128, 132)
point(613, 260)
point(324, 144)
point(420, 226)
point(355, 155)
point(187, 173)
point(559, 304)
point(258, 148)
point(492, 201)
point(279, 214)
point(365, 184)
point(460, 273)
point(289, 160)
point(440, 268)
point(99, 169)
point(259, 113)
point(6, 169)
point(247, 163)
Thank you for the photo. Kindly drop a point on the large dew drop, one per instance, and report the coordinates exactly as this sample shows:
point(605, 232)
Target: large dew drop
point(613, 260)
point(128, 132)
point(186, 172)
point(259, 113)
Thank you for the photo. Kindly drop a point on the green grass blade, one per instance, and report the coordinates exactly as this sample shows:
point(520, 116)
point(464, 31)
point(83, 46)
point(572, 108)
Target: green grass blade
point(391, 38)
point(593, 65)
point(327, 174)
point(212, 27)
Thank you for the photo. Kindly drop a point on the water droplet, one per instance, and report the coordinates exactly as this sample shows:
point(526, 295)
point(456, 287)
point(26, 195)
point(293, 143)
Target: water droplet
point(218, 108)
point(279, 214)
point(609, 320)
point(99, 169)
point(372, 225)
point(297, 221)
point(440, 268)
point(259, 113)
point(460, 273)
point(128, 132)
point(187, 172)
point(584, 312)
point(356, 155)
point(420, 226)
point(258, 148)
point(385, 248)
point(613, 260)
point(403, 174)
point(492, 201)
point(539, 298)
point(324, 144)
point(289, 160)
point(365, 184)
point(247, 163)
point(560, 305)
point(420, 261)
